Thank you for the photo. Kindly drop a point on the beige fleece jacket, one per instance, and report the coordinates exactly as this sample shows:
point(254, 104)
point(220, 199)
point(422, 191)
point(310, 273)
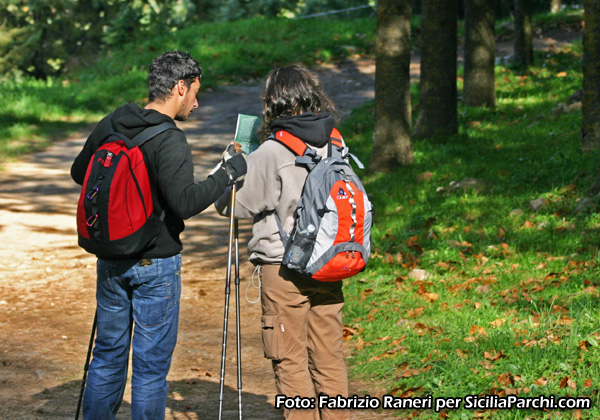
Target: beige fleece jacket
point(273, 184)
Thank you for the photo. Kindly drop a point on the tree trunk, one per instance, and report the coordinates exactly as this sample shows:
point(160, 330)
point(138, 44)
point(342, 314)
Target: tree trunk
point(555, 6)
point(480, 44)
point(523, 34)
point(590, 124)
point(392, 145)
point(437, 100)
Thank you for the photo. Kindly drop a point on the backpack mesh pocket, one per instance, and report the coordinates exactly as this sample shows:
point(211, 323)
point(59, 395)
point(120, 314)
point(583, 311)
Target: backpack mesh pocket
point(298, 250)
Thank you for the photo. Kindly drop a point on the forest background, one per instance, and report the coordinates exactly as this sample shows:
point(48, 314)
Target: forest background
point(484, 275)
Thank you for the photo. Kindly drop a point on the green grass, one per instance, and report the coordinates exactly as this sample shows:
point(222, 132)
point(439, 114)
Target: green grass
point(569, 18)
point(34, 113)
point(510, 302)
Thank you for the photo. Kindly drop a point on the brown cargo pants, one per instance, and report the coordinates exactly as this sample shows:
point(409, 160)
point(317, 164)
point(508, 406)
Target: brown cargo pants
point(302, 334)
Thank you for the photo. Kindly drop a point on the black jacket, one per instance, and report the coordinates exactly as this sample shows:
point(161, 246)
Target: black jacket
point(170, 169)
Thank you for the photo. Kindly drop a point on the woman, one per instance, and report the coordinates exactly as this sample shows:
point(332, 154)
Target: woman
point(301, 318)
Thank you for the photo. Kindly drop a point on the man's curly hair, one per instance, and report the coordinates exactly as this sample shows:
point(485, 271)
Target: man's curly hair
point(169, 68)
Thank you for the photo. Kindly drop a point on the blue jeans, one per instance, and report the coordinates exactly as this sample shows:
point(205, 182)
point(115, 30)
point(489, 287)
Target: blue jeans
point(143, 293)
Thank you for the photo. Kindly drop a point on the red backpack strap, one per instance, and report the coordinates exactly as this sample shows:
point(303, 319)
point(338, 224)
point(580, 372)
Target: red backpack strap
point(336, 144)
point(297, 146)
point(336, 138)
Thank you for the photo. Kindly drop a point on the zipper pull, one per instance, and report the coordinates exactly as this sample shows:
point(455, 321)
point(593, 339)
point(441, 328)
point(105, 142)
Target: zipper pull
point(108, 160)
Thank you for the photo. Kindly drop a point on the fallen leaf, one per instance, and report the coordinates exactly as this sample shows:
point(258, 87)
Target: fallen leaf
point(423, 329)
point(498, 322)
point(348, 333)
point(366, 293)
point(528, 225)
point(483, 289)
point(565, 320)
point(477, 330)
point(407, 373)
point(396, 350)
point(566, 381)
point(456, 244)
point(425, 176)
point(430, 297)
point(462, 353)
point(412, 244)
point(493, 356)
point(592, 290)
point(506, 379)
point(359, 344)
point(400, 280)
point(486, 365)
point(414, 313)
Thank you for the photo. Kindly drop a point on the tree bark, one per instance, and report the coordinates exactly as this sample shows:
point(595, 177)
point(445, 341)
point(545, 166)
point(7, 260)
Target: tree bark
point(555, 6)
point(438, 94)
point(590, 124)
point(480, 54)
point(392, 144)
point(523, 34)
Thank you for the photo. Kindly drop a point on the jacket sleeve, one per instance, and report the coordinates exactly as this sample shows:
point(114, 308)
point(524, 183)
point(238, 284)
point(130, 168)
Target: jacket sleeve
point(261, 188)
point(175, 175)
point(79, 167)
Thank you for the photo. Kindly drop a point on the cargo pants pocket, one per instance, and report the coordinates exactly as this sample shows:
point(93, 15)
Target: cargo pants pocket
point(270, 336)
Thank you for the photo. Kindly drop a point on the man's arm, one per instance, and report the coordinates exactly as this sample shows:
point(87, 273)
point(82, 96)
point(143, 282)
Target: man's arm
point(175, 172)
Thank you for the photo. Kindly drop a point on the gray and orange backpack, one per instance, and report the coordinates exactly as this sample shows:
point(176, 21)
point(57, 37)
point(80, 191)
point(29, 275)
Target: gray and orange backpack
point(331, 237)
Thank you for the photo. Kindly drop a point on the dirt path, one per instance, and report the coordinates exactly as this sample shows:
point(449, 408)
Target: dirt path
point(47, 283)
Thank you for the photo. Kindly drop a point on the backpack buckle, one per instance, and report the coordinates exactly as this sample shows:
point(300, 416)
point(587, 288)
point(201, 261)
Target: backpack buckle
point(312, 153)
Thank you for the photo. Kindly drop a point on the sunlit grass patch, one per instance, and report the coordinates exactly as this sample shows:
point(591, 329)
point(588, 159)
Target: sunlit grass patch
point(483, 279)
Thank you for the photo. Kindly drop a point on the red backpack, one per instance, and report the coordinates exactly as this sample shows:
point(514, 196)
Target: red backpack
point(115, 217)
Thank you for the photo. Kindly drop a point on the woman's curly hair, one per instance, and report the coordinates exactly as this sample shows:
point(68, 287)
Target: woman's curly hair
point(292, 90)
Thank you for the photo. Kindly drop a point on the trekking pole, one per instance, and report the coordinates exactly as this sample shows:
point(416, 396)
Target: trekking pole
point(237, 319)
point(227, 293)
point(87, 365)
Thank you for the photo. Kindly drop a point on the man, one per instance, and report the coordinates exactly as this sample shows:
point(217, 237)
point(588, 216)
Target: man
point(145, 290)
